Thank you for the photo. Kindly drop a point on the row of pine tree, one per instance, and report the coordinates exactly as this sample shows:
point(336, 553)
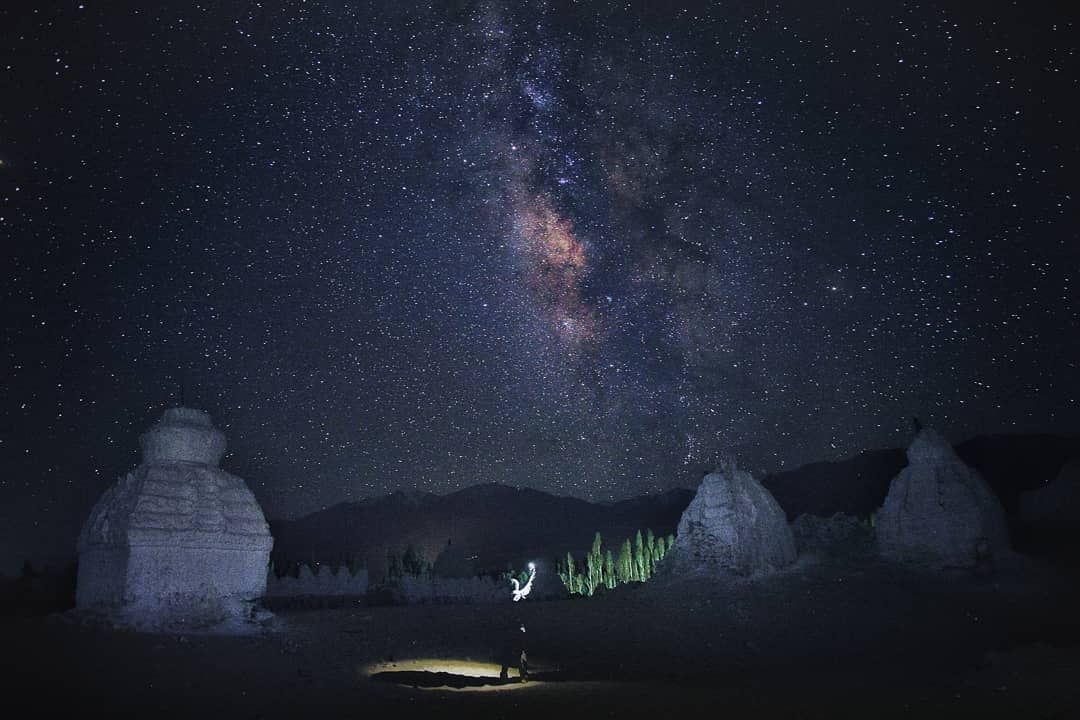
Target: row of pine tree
point(636, 562)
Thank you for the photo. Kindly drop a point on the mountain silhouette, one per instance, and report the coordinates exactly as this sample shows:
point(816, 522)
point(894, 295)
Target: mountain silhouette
point(488, 528)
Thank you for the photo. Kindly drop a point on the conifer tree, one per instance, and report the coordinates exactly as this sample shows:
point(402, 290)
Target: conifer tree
point(412, 562)
point(590, 573)
point(609, 571)
point(393, 564)
point(639, 559)
point(650, 551)
point(595, 561)
point(571, 584)
point(624, 568)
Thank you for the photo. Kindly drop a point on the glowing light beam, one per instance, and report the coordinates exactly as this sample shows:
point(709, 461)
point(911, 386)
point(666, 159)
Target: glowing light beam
point(519, 592)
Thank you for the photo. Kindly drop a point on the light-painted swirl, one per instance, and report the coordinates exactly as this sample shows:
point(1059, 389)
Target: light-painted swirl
point(520, 592)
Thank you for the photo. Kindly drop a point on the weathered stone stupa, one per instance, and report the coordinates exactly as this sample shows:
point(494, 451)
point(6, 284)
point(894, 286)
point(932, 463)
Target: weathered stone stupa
point(939, 512)
point(732, 525)
point(178, 542)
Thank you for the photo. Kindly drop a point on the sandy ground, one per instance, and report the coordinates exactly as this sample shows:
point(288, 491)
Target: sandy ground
point(824, 639)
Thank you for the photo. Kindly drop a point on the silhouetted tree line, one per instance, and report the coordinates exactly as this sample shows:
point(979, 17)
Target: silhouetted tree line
point(292, 569)
point(36, 592)
point(636, 562)
point(411, 561)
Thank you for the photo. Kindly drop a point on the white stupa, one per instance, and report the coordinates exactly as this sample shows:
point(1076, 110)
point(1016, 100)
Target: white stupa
point(177, 543)
point(939, 512)
point(733, 525)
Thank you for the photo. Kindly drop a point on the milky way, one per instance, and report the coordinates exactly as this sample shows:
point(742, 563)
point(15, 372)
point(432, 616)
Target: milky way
point(579, 247)
point(556, 263)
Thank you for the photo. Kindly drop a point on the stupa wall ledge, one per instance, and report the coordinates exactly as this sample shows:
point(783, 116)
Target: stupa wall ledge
point(152, 537)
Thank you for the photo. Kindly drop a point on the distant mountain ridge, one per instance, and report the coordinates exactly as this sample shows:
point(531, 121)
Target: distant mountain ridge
point(482, 528)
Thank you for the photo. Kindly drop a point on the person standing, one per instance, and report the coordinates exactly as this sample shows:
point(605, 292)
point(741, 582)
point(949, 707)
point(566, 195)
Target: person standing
point(514, 652)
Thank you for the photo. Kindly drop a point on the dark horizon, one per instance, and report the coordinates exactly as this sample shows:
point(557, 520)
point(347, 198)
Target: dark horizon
point(45, 551)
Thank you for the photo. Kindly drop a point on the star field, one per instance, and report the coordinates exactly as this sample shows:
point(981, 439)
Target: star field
point(582, 247)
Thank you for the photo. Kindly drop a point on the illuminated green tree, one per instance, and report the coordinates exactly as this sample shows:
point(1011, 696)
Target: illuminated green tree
point(590, 573)
point(594, 563)
point(639, 559)
point(650, 552)
point(571, 581)
point(624, 565)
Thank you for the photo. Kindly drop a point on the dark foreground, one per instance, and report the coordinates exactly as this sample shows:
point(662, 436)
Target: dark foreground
point(828, 639)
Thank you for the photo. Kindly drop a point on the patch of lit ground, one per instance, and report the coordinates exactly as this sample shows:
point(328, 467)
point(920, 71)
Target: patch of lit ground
point(446, 674)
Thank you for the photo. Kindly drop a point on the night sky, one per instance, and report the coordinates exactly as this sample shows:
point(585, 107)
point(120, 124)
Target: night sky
point(581, 247)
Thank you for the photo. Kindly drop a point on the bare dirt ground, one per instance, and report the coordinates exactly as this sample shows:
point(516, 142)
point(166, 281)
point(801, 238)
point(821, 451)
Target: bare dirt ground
point(824, 639)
